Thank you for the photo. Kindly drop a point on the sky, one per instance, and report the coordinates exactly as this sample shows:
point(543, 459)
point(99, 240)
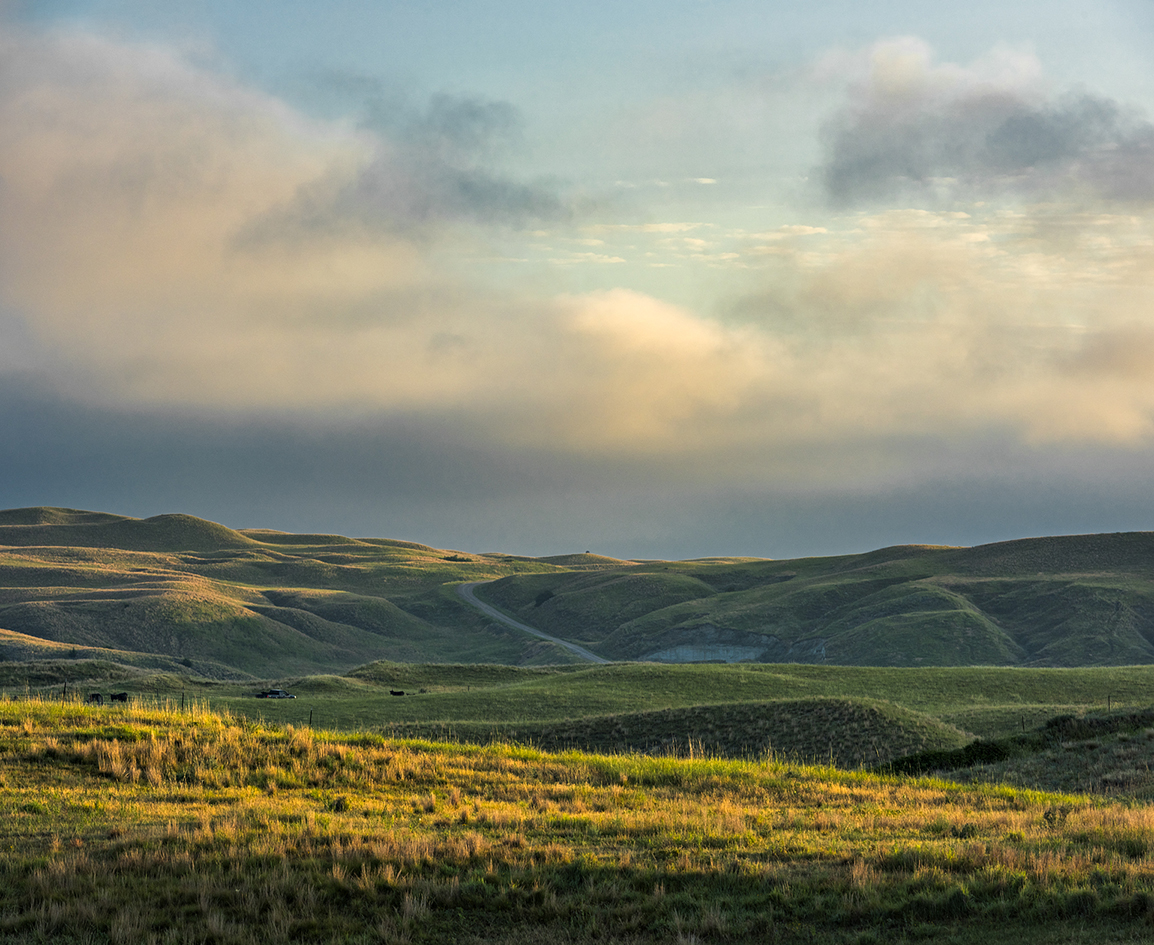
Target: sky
point(652, 279)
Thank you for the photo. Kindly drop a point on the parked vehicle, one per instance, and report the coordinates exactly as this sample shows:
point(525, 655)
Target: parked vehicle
point(275, 694)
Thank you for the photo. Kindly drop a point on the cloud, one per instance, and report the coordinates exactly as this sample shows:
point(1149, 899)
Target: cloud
point(395, 190)
point(585, 258)
point(923, 324)
point(791, 230)
point(915, 125)
point(173, 237)
point(174, 242)
point(441, 486)
point(429, 165)
point(436, 168)
point(644, 227)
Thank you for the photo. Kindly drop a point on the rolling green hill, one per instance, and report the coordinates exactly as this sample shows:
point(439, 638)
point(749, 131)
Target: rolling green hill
point(846, 733)
point(261, 603)
point(1084, 600)
point(1102, 753)
point(178, 591)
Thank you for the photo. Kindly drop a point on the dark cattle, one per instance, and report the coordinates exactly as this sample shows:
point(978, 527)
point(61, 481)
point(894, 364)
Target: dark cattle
point(396, 692)
point(96, 698)
point(119, 697)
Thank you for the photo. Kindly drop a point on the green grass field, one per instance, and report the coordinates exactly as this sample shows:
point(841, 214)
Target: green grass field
point(988, 701)
point(995, 700)
point(136, 825)
point(851, 717)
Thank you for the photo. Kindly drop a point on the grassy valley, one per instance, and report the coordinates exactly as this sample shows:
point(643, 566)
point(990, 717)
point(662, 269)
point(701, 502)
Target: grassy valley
point(175, 591)
point(175, 608)
point(253, 603)
point(1084, 600)
point(851, 717)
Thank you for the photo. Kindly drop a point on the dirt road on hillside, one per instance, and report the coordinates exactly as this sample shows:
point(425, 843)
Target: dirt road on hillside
point(466, 592)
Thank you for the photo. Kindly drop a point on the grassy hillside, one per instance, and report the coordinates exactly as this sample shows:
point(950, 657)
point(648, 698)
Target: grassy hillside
point(841, 732)
point(180, 589)
point(827, 715)
point(1069, 601)
point(133, 825)
point(50, 526)
point(264, 603)
point(18, 650)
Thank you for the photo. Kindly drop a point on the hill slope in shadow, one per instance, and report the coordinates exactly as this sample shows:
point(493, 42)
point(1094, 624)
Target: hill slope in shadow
point(841, 732)
point(1085, 600)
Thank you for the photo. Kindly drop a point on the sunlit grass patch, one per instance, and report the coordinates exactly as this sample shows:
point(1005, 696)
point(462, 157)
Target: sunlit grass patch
point(152, 824)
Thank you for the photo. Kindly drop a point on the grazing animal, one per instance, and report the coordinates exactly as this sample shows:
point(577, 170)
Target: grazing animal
point(95, 698)
point(119, 697)
point(396, 692)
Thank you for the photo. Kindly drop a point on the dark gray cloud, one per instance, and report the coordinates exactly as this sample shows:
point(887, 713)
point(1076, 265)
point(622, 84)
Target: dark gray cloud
point(413, 479)
point(988, 141)
point(394, 476)
point(438, 160)
point(460, 128)
point(438, 164)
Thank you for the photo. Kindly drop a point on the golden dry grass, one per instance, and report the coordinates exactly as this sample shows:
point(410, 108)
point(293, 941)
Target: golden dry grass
point(149, 825)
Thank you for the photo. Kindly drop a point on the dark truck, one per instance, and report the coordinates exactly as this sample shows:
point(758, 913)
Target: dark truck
point(275, 694)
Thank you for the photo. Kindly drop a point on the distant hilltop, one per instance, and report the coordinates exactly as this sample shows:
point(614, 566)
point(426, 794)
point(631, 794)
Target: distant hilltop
point(195, 594)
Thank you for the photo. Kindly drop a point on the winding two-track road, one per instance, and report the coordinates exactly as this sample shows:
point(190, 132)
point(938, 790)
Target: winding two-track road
point(466, 592)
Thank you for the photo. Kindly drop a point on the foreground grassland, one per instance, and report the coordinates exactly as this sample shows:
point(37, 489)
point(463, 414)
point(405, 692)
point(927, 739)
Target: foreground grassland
point(158, 826)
